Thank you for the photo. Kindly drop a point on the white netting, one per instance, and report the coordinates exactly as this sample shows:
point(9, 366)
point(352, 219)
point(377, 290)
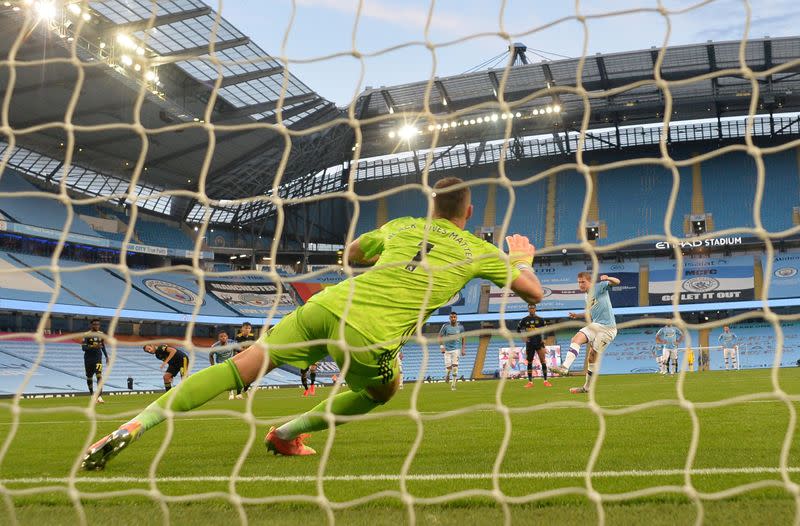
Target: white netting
point(26, 14)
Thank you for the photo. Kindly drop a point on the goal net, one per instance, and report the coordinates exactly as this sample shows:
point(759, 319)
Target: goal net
point(542, 148)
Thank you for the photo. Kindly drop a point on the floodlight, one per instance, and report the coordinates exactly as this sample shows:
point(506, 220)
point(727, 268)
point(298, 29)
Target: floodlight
point(46, 10)
point(407, 132)
point(126, 41)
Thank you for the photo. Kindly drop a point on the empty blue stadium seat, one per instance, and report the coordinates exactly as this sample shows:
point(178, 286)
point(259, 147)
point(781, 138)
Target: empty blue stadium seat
point(413, 354)
point(90, 286)
point(633, 201)
point(570, 194)
point(720, 175)
point(60, 369)
point(781, 190)
point(162, 235)
point(36, 211)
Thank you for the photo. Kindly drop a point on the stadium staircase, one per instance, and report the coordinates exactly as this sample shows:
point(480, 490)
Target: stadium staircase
point(480, 357)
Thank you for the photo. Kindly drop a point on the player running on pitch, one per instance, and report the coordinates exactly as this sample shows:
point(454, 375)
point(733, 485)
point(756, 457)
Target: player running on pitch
point(94, 348)
point(534, 343)
point(451, 347)
point(599, 333)
point(421, 264)
point(669, 337)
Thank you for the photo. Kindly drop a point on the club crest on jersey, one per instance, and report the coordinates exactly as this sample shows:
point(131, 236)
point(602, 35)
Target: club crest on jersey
point(172, 291)
point(785, 272)
point(701, 284)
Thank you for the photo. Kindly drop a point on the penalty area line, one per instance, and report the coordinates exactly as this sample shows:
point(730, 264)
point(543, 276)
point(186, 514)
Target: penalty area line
point(420, 477)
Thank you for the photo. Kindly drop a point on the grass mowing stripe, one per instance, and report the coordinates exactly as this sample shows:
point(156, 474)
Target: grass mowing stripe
point(395, 477)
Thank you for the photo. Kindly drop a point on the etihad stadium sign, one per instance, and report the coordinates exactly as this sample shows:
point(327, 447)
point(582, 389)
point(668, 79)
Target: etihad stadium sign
point(697, 243)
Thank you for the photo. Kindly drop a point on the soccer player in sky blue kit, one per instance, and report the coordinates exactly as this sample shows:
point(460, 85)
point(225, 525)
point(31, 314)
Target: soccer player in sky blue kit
point(669, 337)
point(420, 264)
point(451, 345)
point(730, 346)
point(599, 333)
point(221, 354)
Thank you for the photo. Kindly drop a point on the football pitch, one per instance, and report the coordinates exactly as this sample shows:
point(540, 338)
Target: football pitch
point(456, 475)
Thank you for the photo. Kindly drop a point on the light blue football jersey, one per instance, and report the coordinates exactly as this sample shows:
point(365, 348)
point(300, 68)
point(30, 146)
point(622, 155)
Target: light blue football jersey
point(600, 308)
point(451, 330)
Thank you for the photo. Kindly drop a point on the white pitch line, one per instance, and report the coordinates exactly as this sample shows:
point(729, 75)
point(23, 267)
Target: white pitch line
point(394, 477)
point(270, 417)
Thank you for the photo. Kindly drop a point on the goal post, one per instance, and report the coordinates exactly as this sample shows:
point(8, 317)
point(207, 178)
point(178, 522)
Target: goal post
point(491, 127)
point(714, 357)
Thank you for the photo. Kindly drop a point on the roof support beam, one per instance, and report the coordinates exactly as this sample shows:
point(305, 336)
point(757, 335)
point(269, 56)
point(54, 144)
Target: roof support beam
point(712, 66)
point(442, 92)
point(495, 83)
point(224, 138)
point(163, 20)
point(601, 68)
point(387, 98)
point(361, 112)
point(227, 169)
point(246, 111)
point(205, 49)
point(247, 77)
point(768, 60)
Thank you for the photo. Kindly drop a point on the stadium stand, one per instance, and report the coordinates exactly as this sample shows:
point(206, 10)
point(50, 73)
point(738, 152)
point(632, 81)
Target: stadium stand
point(35, 211)
point(632, 351)
point(60, 369)
point(162, 235)
point(413, 356)
point(633, 202)
point(570, 191)
point(738, 170)
point(77, 287)
point(730, 209)
point(175, 292)
point(758, 343)
point(781, 190)
point(530, 210)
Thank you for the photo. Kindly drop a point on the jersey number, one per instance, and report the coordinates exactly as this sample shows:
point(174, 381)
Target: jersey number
point(427, 248)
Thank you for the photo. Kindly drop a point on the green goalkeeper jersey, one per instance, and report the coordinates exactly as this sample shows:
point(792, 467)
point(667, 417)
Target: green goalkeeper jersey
point(387, 300)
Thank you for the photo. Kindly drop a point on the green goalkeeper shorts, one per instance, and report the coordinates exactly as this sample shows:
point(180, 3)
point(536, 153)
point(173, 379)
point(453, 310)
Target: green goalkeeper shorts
point(288, 343)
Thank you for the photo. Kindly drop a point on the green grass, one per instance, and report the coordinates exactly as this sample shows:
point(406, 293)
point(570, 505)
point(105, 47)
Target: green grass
point(450, 474)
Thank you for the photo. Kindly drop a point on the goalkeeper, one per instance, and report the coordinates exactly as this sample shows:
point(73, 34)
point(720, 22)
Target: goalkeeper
point(402, 292)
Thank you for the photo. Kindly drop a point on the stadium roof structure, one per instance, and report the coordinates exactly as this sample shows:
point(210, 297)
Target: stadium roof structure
point(158, 52)
point(466, 107)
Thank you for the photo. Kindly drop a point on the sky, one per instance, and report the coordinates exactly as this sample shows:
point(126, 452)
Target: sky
point(319, 36)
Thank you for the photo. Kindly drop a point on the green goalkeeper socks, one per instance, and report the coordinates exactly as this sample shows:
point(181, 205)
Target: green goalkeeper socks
point(193, 392)
point(348, 403)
